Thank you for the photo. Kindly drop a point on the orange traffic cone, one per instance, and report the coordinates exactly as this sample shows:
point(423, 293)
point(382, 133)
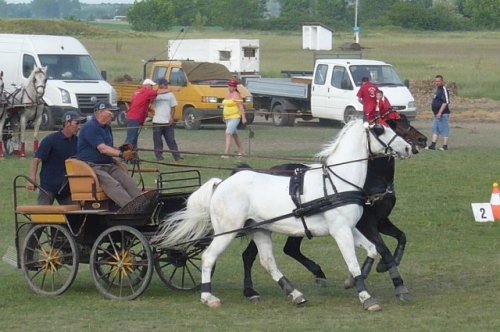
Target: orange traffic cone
point(495, 201)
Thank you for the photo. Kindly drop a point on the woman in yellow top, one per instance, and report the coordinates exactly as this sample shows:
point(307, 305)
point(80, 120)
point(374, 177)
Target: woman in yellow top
point(233, 113)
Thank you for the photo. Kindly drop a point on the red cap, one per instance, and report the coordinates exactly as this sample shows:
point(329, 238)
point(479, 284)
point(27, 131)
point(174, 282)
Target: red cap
point(233, 82)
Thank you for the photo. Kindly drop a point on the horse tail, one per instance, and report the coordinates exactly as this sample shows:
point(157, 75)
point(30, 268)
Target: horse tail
point(183, 227)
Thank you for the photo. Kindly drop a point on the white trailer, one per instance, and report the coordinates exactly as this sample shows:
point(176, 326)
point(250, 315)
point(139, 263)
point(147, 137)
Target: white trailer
point(240, 56)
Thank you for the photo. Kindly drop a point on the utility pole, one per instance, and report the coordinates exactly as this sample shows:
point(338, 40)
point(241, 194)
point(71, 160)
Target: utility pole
point(356, 28)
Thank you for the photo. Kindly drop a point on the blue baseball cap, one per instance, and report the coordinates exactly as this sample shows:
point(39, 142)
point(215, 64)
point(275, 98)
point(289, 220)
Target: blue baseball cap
point(72, 115)
point(162, 81)
point(102, 105)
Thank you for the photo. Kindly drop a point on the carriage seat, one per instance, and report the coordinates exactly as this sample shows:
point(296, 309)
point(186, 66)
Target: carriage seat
point(83, 182)
point(46, 209)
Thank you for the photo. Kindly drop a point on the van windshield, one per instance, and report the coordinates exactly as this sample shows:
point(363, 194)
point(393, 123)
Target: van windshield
point(378, 74)
point(70, 67)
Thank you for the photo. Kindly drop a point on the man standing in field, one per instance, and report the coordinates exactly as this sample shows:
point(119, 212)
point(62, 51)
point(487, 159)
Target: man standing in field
point(54, 149)
point(163, 123)
point(367, 95)
point(441, 112)
point(139, 107)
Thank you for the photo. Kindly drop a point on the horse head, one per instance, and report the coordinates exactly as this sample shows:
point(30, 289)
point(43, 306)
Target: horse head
point(400, 124)
point(37, 81)
point(383, 140)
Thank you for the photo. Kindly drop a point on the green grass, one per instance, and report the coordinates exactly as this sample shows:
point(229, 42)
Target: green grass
point(467, 58)
point(449, 266)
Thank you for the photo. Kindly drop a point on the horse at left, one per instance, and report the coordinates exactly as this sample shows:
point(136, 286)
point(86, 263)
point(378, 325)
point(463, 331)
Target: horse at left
point(21, 106)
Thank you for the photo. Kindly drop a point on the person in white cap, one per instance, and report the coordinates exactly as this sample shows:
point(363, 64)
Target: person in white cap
point(139, 107)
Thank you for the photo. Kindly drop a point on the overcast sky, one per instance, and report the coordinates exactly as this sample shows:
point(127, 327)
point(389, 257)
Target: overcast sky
point(81, 1)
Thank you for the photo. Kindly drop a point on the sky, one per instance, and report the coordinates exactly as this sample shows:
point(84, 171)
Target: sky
point(81, 1)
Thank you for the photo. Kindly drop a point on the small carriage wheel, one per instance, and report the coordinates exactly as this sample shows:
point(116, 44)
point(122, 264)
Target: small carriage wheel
point(180, 269)
point(121, 263)
point(49, 259)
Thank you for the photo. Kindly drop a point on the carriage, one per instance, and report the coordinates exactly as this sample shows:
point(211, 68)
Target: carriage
point(52, 241)
point(118, 244)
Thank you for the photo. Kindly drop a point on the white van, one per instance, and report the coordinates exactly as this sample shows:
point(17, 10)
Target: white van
point(337, 81)
point(329, 94)
point(74, 81)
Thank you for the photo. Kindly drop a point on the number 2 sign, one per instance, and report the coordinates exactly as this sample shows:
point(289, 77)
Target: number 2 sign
point(482, 212)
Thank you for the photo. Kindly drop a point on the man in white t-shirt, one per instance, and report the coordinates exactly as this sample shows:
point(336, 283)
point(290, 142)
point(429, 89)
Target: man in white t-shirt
point(163, 123)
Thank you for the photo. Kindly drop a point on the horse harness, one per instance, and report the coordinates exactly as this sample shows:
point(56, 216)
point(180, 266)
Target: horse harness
point(322, 204)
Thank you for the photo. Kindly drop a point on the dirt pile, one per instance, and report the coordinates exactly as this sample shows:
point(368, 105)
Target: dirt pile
point(462, 108)
point(127, 79)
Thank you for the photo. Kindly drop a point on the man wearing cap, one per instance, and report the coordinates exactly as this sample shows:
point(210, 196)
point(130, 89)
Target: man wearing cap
point(163, 123)
point(95, 146)
point(54, 149)
point(138, 111)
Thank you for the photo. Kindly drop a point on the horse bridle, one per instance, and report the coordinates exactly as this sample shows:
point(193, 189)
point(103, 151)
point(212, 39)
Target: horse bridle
point(43, 85)
point(387, 147)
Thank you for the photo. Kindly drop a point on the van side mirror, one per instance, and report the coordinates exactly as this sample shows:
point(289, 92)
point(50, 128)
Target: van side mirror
point(104, 75)
point(407, 83)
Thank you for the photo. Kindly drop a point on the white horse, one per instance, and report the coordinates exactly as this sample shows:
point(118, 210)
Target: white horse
point(261, 204)
point(26, 103)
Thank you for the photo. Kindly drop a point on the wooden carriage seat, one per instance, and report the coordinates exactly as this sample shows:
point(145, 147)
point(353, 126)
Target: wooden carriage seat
point(83, 182)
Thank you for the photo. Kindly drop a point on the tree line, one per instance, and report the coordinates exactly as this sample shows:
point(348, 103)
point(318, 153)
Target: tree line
point(161, 15)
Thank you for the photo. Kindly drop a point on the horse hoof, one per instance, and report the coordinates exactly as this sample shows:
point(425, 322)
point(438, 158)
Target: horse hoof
point(374, 308)
point(211, 301)
point(371, 305)
point(254, 299)
point(211, 304)
point(320, 282)
point(349, 282)
point(402, 294)
point(405, 298)
point(299, 300)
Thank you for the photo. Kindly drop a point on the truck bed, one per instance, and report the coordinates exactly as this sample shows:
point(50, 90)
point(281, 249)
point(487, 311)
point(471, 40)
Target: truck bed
point(124, 91)
point(280, 87)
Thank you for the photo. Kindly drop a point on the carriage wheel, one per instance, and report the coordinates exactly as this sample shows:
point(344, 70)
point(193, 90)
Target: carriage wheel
point(49, 259)
point(121, 263)
point(180, 269)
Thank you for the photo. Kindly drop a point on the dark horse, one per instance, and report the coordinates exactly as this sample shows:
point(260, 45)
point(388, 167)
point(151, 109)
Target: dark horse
point(379, 188)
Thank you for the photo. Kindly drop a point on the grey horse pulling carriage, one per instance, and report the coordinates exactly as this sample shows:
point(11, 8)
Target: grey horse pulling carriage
point(51, 241)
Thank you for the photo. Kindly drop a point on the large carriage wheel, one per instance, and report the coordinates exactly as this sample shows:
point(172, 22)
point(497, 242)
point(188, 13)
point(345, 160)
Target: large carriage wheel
point(121, 263)
point(180, 269)
point(49, 259)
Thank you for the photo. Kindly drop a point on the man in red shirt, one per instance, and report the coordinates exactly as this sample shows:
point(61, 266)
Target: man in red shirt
point(139, 107)
point(367, 95)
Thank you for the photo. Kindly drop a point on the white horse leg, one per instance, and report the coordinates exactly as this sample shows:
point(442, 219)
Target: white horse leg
point(22, 124)
point(36, 126)
point(264, 244)
point(218, 245)
point(371, 253)
point(345, 241)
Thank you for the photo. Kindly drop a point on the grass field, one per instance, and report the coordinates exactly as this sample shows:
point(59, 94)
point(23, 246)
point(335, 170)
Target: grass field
point(467, 58)
point(450, 264)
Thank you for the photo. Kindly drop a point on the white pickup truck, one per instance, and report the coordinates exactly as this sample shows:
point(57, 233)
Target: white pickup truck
point(330, 93)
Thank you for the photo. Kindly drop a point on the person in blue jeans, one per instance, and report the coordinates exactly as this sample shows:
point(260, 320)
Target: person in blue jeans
point(163, 123)
point(441, 112)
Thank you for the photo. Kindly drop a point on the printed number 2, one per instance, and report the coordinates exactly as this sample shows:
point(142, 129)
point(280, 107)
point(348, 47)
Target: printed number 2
point(483, 213)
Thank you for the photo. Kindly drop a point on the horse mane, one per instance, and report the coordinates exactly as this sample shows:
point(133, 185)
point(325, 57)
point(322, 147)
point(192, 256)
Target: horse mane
point(329, 148)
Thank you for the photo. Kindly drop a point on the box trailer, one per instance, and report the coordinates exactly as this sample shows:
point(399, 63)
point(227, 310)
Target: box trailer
point(240, 56)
